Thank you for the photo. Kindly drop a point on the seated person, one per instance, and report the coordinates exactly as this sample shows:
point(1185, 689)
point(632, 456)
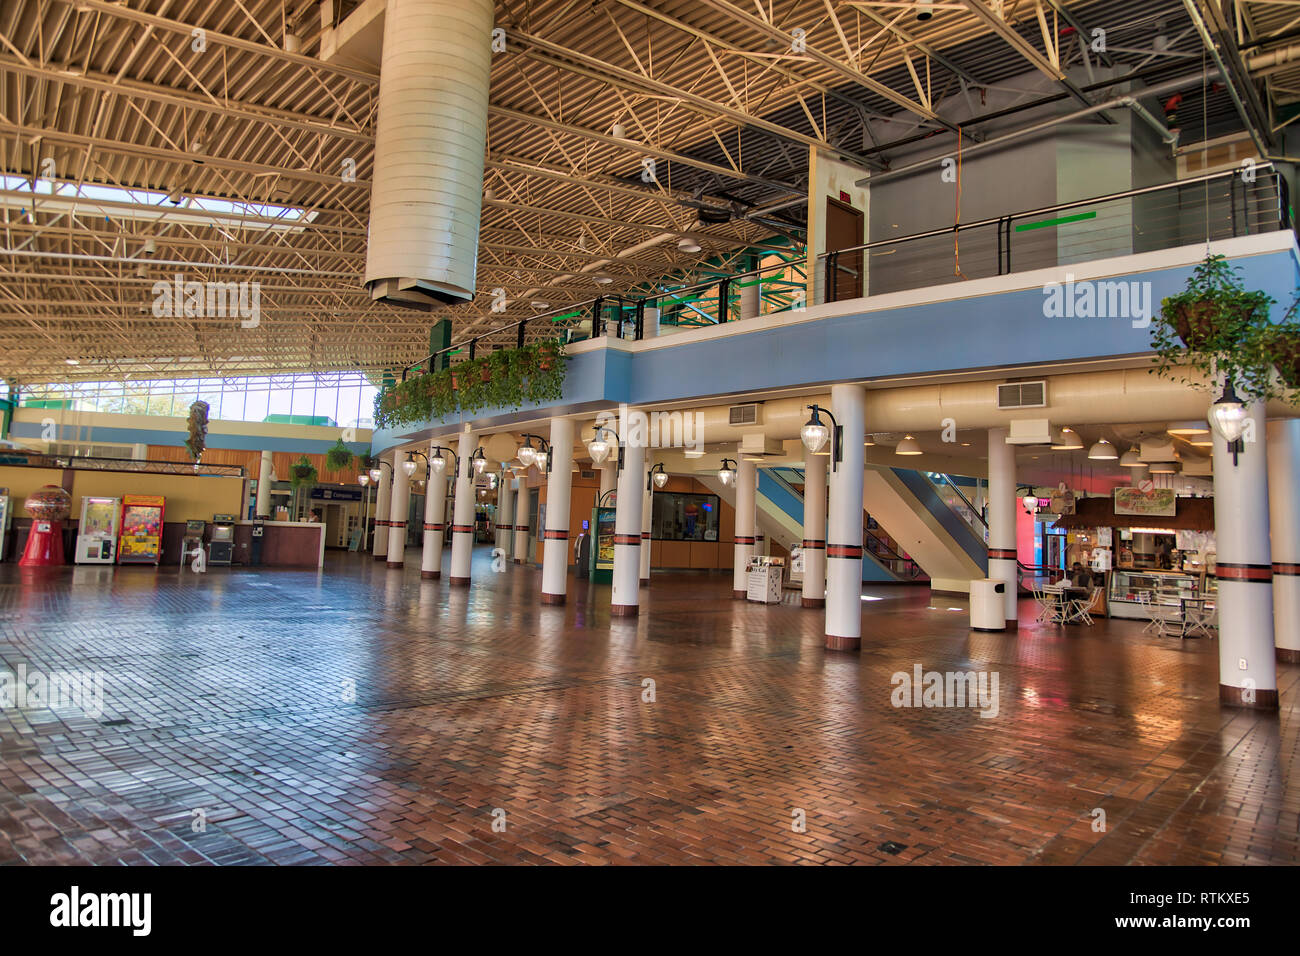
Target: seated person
point(1080, 577)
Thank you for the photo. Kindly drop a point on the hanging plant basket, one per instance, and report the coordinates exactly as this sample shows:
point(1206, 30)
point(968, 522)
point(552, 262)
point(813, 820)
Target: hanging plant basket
point(1201, 322)
point(485, 373)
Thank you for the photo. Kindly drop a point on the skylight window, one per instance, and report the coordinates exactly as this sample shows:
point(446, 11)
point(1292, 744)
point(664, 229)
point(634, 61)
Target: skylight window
point(115, 202)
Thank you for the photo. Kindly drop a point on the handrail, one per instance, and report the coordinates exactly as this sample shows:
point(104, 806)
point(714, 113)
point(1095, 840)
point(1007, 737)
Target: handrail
point(962, 495)
point(1057, 207)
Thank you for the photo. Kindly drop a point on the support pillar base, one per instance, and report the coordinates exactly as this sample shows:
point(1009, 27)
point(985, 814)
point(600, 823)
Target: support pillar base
point(381, 557)
point(812, 602)
point(834, 643)
point(458, 582)
point(737, 595)
point(645, 582)
point(430, 575)
point(397, 564)
point(552, 599)
point(624, 610)
point(1235, 697)
point(1288, 655)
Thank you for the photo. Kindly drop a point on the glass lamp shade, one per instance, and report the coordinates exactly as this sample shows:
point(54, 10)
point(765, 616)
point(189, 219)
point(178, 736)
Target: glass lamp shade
point(527, 455)
point(814, 436)
point(376, 474)
point(660, 478)
point(908, 446)
point(437, 463)
point(408, 466)
point(1102, 451)
point(363, 479)
point(1130, 459)
point(479, 464)
point(726, 475)
point(599, 449)
point(1228, 418)
point(1030, 502)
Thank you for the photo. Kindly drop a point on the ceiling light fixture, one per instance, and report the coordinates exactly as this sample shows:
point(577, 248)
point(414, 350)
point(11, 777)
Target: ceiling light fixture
point(814, 434)
point(908, 446)
point(1070, 441)
point(727, 475)
point(1102, 451)
point(1131, 459)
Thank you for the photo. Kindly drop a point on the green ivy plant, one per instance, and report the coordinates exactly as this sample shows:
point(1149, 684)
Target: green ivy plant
point(533, 374)
point(338, 458)
point(1217, 325)
point(197, 426)
point(303, 474)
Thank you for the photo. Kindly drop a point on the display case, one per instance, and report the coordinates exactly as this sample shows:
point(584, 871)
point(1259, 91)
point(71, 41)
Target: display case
point(1168, 589)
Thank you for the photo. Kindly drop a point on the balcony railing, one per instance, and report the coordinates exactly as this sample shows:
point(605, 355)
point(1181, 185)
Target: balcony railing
point(1214, 206)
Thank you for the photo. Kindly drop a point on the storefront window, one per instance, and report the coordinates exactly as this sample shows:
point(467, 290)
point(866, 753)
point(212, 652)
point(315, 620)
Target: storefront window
point(679, 517)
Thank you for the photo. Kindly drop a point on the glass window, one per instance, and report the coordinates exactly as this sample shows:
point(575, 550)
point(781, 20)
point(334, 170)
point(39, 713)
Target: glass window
point(257, 403)
point(679, 517)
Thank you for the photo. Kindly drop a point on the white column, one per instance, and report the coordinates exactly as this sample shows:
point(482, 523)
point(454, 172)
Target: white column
point(749, 297)
point(559, 488)
point(1284, 522)
point(844, 527)
point(627, 532)
point(435, 513)
point(650, 326)
point(505, 514)
point(462, 522)
point(521, 520)
point(382, 498)
point(608, 477)
point(1002, 518)
point(398, 510)
point(1247, 663)
point(746, 482)
point(647, 511)
point(814, 530)
point(265, 472)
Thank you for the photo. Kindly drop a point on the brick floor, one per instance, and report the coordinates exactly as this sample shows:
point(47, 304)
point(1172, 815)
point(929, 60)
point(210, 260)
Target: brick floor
point(361, 715)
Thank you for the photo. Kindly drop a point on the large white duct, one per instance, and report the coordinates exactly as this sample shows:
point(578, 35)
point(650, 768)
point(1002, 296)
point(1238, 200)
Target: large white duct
point(429, 143)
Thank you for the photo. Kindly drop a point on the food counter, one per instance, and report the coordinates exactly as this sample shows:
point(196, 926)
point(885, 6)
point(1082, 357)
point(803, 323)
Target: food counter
point(1168, 590)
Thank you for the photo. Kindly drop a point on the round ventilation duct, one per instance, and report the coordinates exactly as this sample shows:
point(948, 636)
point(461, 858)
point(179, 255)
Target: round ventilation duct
point(429, 142)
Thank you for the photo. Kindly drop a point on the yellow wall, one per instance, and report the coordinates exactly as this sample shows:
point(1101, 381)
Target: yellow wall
point(188, 496)
point(21, 482)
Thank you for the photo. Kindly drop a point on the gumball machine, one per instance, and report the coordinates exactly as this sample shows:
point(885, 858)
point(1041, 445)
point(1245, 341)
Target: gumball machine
point(48, 507)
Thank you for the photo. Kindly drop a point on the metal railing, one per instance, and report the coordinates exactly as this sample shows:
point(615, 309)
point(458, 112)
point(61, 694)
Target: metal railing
point(95, 463)
point(1213, 206)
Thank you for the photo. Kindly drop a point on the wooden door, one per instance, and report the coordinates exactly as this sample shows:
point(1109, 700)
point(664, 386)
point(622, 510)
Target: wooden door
point(844, 229)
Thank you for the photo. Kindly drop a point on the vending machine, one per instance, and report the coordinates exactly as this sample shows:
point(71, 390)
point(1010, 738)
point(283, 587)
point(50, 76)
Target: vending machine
point(97, 531)
point(221, 546)
point(141, 530)
point(4, 520)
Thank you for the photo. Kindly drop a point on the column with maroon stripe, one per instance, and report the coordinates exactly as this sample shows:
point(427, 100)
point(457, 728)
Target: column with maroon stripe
point(1247, 662)
point(624, 601)
point(1284, 520)
point(381, 512)
point(521, 519)
point(746, 485)
point(462, 522)
point(1002, 519)
point(844, 527)
point(647, 508)
point(559, 488)
point(814, 530)
point(435, 513)
point(398, 508)
point(505, 514)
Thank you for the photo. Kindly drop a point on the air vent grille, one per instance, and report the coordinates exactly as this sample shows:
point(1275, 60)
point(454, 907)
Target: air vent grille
point(1022, 395)
point(744, 414)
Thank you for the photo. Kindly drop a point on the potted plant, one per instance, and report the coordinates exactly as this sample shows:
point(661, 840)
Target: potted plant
point(338, 458)
point(1216, 327)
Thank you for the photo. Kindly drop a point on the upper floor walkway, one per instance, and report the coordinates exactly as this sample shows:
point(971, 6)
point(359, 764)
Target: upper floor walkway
point(1093, 303)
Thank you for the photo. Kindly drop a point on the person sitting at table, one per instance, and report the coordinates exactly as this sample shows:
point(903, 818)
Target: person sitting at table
point(1080, 577)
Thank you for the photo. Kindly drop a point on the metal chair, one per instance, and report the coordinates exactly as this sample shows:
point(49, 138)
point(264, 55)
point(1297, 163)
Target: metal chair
point(1155, 622)
point(1053, 604)
point(1079, 607)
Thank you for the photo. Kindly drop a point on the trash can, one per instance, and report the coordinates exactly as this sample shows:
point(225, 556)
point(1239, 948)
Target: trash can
point(988, 611)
